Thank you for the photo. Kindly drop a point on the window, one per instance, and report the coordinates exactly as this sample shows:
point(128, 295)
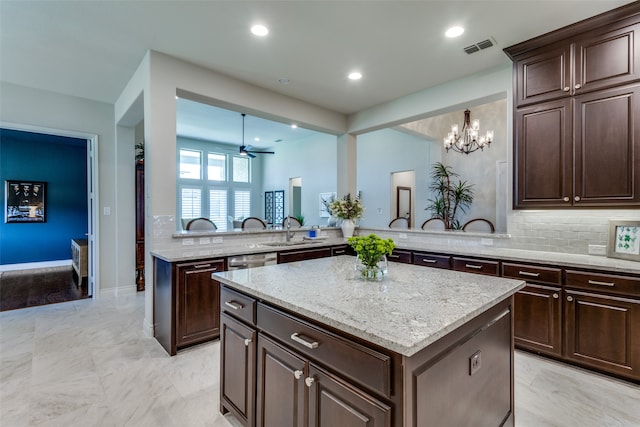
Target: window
point(190, 164)
point(218, 208)
point(216, 167)
point(241, 204)
point(241, 169)
point(190, 202)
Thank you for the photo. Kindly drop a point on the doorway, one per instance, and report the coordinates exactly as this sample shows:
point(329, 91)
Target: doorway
point(402, 196)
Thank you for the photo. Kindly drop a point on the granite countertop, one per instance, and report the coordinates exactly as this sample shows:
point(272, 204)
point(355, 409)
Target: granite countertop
point(408, 310)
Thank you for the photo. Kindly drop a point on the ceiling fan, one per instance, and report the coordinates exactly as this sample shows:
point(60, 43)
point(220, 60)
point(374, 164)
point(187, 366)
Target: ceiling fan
point(245, 150)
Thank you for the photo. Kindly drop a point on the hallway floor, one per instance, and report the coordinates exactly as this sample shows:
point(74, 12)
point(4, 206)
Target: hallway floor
point(30, 288)
point(87, 363)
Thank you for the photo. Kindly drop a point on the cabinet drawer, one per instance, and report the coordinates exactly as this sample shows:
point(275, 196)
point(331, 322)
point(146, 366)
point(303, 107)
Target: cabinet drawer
point(431, 260)
point(351, 360)
point(400, 256)
point(608, 283)
point(340, 250)
point(477, 266)
point(530, 273)
point(303, 254)
point(238, 305)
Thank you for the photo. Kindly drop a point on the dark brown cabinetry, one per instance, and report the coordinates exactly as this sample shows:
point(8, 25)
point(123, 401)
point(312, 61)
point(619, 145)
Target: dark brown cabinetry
point(303, 254)
point(576, 134)
point(602, 317)
point(399, 255)
point(537, 308)
point(432, 260)
point(474, 265)
point(139, 176)
point(186, 303)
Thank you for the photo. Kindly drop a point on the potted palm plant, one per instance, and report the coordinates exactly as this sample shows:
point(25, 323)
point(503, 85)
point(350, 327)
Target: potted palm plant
point(451, 198)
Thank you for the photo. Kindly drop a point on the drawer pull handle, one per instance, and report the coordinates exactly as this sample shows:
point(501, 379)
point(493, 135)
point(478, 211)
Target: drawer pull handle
point(202, 266)
point(595, 282)
point(430, 261)
point(475, 267)
point(340, 252)
point(234, 305)
point(247, 341)
point(528, 273)
point(394, 256)
point(309, 381)
point(296, 337)
point(297, 374)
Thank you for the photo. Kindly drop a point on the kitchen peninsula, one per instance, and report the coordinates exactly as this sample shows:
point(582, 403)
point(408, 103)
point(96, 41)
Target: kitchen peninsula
point(307, 342)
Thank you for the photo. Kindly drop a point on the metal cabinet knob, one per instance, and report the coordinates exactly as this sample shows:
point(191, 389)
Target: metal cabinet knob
point(555, 296)
point(566, 199)
point(577, 198)
point(577, 86)
point(247, 342)
point(566, 88)
point(309, 381)
point(298, 374)
point(569, 298)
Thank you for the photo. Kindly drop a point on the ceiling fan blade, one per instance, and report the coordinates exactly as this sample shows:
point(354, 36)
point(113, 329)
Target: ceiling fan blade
point(252, 156)
point(261, 152)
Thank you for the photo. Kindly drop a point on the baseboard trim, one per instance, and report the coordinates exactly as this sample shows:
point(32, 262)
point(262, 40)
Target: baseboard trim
point(148, 329)
point(35, 265)
point(119, 291)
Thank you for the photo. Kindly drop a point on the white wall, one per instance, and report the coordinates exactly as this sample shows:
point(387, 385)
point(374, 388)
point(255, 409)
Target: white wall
point(34, 107)
point(382, 153)
point(314, 160)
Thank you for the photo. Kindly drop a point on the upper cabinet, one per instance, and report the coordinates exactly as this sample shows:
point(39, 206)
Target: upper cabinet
point(576, 114)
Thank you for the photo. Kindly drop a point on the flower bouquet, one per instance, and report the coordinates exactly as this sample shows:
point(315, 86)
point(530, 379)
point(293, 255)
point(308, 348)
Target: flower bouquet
point(372, 253)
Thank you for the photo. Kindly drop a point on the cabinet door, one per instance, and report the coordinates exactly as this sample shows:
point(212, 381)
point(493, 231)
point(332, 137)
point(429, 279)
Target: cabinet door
point(198, 303)
point(333, 402)
point(606, 58)
point(543, 75)
point(398, 255)
point(603, 332)
point(607, 144)
point(280, 386)
point(237, 369)
point(537, 319)
point(303, 254)
point(543, 155)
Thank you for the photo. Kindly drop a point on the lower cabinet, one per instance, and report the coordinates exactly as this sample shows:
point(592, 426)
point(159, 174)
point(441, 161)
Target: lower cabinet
point(186, 303)
point(237, 381)
point(399, 255)
point(603, 332)
point(303, 254)
point(538, 319)
point(288, 383)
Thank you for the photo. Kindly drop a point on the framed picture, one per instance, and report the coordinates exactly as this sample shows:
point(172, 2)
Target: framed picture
point(325, 199)
point(24, 201)
point(624, 240)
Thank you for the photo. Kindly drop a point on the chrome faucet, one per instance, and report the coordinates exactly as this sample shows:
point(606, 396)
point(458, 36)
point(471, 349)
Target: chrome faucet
point(289, 233)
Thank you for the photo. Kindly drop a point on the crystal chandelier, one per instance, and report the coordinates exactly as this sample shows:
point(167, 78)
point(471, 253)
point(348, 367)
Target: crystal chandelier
point(468, 140)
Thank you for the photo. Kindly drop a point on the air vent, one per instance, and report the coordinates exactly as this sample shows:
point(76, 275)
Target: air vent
point(484, 44)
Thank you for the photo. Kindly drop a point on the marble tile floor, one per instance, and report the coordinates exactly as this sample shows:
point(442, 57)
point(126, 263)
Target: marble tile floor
point(87, 363)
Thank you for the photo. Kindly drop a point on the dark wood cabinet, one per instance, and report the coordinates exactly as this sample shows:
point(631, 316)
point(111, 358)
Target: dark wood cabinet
point(576, 133)
point(238, 380)
point(399, 255)
point(537, 308)
point(432, 260)
point(198, 302)
point(186, 302)
point(139, 189)
point(303, 254)
point(478, 266)
point(601, 332)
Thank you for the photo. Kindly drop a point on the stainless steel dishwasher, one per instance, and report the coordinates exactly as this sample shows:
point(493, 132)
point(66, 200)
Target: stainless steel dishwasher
point(249, 261)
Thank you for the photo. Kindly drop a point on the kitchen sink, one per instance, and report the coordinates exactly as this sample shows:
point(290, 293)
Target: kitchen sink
point(287, 243)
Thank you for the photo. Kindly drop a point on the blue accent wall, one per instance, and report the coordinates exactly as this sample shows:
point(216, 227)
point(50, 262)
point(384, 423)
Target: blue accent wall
point(61, 162)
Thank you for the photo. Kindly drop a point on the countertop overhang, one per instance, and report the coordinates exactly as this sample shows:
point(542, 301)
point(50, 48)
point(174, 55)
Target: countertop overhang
point(411, 308)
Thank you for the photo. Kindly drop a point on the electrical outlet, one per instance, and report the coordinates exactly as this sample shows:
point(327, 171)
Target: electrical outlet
point(475, 362)
point(486, 242)
point(216, 240)
point(204, 240)
point(402, 235)
point(187, 242)
point(597, 249)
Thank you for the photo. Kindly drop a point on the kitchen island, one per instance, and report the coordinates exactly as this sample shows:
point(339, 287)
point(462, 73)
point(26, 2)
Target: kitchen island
point(308, 343)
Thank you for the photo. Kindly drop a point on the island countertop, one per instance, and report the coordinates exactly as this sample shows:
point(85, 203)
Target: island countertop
point(411, 308)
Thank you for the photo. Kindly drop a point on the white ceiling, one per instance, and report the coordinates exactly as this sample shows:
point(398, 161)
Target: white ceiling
point(91, 48)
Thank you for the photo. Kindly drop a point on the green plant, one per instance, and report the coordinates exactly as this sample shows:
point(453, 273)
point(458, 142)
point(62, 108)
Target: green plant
point(347, 208)
point(451, 197)
point(300, 219)
point(139, 148)
point(370, 248)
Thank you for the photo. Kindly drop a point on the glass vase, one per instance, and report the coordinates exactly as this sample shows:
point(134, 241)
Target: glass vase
point(374, 272)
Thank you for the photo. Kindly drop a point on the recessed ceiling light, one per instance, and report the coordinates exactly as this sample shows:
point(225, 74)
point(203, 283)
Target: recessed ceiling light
point(284, 81)
point(294, 126)
point(454, 32)
point(259, 30)
point(355, 75)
